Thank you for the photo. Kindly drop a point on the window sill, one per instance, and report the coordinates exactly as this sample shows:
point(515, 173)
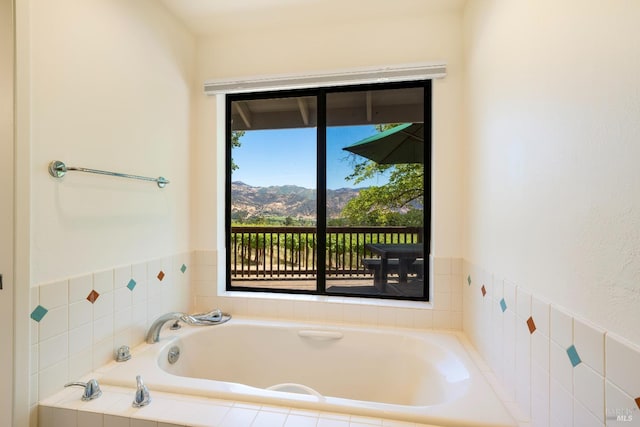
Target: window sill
point(369, 302)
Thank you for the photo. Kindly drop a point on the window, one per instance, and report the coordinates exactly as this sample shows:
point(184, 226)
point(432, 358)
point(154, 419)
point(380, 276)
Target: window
point(328, 190)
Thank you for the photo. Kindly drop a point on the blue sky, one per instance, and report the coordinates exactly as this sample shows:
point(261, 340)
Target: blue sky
point(288, 156)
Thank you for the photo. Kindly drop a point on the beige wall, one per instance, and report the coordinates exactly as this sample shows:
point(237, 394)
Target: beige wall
point(7, 203)
point(111, 89)
point(327, 45)
point(552, 186)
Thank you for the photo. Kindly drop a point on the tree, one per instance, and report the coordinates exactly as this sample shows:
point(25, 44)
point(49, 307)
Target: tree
point(395, 203)
point(235, 143)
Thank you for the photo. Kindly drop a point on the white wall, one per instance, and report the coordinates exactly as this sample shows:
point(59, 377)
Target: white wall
point(7, 202)
point(111, 85)
point(326, 45)
point(552, 182)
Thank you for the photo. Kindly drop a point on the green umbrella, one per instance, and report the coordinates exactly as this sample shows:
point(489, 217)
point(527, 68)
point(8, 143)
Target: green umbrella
point(400, 144)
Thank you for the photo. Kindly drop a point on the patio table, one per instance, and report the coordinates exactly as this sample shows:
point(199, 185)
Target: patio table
point(406, 253)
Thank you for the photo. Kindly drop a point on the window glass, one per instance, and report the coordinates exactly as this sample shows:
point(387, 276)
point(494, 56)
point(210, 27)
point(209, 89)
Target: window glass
point(326, 191)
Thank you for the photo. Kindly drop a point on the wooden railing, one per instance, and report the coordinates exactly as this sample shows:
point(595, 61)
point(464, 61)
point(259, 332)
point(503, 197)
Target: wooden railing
point(263, 252)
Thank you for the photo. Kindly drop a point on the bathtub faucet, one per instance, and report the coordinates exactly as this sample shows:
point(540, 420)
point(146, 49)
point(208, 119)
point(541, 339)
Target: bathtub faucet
point(153, 334)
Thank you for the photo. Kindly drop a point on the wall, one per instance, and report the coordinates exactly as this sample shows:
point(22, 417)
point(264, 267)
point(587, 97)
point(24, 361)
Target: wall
point(321, 44)
point(105, 84)
point(316, 45)
point(552, 188)
point(7, 40)
point(110, 89)
point(551, 224)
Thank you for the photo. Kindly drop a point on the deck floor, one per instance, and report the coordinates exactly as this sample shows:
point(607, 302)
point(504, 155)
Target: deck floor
point(363, 286)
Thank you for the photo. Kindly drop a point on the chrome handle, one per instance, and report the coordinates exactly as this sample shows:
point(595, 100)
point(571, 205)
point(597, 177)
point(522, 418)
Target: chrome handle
point(142, 397)
point(91, 389)
point(123, 353)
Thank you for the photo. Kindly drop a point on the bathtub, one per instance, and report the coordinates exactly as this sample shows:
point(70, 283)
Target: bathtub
point(402, 374)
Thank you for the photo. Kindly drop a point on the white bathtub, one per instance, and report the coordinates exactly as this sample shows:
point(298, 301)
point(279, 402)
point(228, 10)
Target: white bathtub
point(418, 376)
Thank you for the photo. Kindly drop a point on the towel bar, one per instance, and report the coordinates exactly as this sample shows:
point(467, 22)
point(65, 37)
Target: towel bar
point(58, 169)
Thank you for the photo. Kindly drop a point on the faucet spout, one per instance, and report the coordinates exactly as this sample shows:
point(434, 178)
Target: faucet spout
point(153, 334)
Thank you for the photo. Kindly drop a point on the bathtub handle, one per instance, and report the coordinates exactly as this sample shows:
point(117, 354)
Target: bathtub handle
point(321, 335)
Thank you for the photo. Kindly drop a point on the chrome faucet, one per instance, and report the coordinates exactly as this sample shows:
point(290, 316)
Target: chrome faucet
point(142, 397)
point(91, 389)
point(153, 334)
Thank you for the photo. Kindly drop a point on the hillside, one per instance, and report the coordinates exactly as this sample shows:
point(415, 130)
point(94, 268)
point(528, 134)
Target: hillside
point(284, 201)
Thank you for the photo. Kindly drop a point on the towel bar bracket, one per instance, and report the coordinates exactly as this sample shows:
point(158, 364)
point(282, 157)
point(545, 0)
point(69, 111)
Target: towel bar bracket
point(58, 169)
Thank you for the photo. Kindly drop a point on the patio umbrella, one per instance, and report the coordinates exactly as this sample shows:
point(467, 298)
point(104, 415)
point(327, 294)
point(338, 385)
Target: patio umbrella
point(401, 144)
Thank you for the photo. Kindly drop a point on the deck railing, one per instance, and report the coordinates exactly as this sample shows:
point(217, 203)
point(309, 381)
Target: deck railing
point(263, 252)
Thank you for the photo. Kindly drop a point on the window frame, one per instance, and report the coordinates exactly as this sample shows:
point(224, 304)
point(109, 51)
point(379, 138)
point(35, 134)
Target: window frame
point(321, 224)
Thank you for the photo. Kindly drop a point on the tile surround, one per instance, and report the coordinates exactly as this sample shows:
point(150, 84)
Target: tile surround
point(568, 372)
point(128, 298)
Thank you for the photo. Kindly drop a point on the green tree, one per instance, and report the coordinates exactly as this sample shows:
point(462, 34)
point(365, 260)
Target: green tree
point(235, 143)
point(391, 204)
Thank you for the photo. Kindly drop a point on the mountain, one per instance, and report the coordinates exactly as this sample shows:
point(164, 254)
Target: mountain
point(284, 201)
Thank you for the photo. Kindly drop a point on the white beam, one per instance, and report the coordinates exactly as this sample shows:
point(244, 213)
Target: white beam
point(244, 112)
point(304, 111)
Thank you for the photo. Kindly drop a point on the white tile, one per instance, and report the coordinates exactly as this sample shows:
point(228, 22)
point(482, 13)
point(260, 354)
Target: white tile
point(90, 419)
point(102, 353)
point(442, 266)
point(65, 417)
point(509, 354)
point(622, 362)
point(123, 319)
point(269, 419)
point(540, 314)
point(52, 379)
point(294, 420)
point(560, 366)
point(103, 281)
point(123, 298)
point(54, 323)
point(80, 338)
point(80, 313)
point(583, 418)
point(561, 407)
point(330, 422)
point(442, 283)
point(540, 398)
point(103, 306)
point(523, 367)
point(618, 403)
point(441, 319)
point(139, 293)
point(510, 295)
point(589, 342)
point(121, 276)
point(239, 417)
point(561, 327)
point(442, 301)
point(54, 294)
point(53, 351)
point(540, 350)
point(423, 319)
point(45, 416)
point(102, 328)
point(116, 421)
point(80, 287)
point(139, 272)
point(523, 303)
point(142, 423)
point(589, 390)
point(80, 364)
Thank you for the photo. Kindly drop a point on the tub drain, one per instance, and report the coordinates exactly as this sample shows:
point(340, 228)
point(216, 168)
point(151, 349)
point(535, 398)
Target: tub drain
point(174, 354)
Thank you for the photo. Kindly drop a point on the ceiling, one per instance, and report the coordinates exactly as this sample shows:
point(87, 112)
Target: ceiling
point(209, 17)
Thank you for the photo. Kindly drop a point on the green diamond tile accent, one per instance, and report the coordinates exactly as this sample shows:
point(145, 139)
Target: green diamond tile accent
point(132, 284)
point(38, 313)
point(183, 268)
point(469, 280)
point(573, 356)
point(503, 305)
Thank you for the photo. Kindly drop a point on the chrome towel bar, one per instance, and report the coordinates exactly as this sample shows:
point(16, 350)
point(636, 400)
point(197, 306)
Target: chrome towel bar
point(58, 169)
